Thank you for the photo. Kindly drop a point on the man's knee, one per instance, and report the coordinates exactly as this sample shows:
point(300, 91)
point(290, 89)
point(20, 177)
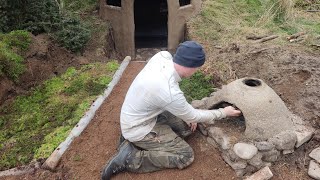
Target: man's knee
point(185, 158)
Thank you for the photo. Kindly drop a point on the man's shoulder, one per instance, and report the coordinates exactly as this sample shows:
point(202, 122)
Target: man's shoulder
point(166, 54)
point(162, 54)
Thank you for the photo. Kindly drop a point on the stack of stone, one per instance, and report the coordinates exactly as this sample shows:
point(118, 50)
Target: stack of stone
point(271, 129)
point(249, 156)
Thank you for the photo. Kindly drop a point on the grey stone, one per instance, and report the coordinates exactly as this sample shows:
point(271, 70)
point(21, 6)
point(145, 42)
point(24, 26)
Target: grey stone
point(234, 165)
point(314, 170)
point(315, 154)
point(265, 113)
point(256, 161)
point(240, 172)
point(267, 164)
point(287, 151)
point(284, 140)
point(202, 129)
point(270, 156)
point(264, 145)
point(244, 150)
point(212, 142)
point(303, 135)
point(232, 155)
point(220, 137)
point(263, 174)
point(250, 169)
point(198, 104)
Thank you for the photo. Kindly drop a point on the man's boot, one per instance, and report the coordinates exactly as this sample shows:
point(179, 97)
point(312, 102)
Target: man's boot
point(119, 162)
point(121, 139)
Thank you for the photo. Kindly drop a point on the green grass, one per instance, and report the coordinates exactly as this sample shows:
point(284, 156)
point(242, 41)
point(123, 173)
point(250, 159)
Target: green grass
point(226, 21)
point(197, 86)
point(32, 126)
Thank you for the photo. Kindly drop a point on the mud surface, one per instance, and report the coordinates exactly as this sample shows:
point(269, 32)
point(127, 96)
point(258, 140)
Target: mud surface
point(292, 72)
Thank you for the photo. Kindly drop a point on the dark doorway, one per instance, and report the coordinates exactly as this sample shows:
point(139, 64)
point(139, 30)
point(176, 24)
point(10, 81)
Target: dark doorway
point(151, 27)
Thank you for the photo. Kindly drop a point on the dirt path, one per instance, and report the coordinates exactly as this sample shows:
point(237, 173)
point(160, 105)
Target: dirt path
point(88, 153)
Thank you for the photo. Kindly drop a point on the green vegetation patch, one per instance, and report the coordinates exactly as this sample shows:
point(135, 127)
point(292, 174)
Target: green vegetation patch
point(226, 21)
point(61, 18)
point(197, 86)
point(32, 126)
point(72, 34)
point(80, 6)
point(12, 45)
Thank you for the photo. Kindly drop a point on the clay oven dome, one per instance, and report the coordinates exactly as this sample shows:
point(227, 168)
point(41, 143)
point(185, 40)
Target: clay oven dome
point(265, 113)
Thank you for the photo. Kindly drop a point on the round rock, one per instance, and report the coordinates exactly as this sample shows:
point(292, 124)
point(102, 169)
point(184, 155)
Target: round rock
point(244, 150)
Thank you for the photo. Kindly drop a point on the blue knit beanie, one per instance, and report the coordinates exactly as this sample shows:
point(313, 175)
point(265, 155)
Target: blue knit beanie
point(189, 54)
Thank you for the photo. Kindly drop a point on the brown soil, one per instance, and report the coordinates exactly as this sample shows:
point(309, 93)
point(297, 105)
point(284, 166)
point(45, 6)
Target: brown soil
point(292, 72)
point(44, 60)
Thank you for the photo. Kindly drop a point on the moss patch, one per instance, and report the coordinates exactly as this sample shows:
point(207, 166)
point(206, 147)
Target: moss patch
point(32, 126)
point(12, 46)
point(197, 86)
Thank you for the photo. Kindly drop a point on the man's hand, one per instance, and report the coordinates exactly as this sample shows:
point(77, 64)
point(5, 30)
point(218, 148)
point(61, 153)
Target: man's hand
point(231, 111)
point(193, 126)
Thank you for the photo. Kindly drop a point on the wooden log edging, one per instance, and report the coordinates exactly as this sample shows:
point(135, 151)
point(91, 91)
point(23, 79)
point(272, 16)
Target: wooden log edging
point(55, 157)
point(17, 171)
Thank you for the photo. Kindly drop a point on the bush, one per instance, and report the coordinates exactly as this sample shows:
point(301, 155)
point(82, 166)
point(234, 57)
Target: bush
point(44, 16)
point(36, 16)
point(72, 34)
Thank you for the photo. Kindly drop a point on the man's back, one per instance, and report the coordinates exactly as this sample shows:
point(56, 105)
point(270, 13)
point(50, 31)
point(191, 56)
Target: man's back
point(147, 96)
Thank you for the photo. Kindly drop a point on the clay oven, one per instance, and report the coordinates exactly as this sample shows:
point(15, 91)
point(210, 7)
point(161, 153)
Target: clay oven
point(271, 129)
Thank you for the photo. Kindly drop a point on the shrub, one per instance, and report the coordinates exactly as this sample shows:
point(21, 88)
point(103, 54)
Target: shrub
point(72, 34)
point(36, 16)
point(46, 16)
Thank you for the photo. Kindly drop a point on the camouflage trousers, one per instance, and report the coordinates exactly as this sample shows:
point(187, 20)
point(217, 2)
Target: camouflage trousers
point(163, 147)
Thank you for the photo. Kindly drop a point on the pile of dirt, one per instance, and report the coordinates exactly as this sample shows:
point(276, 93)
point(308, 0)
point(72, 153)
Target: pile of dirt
point(294, 73)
